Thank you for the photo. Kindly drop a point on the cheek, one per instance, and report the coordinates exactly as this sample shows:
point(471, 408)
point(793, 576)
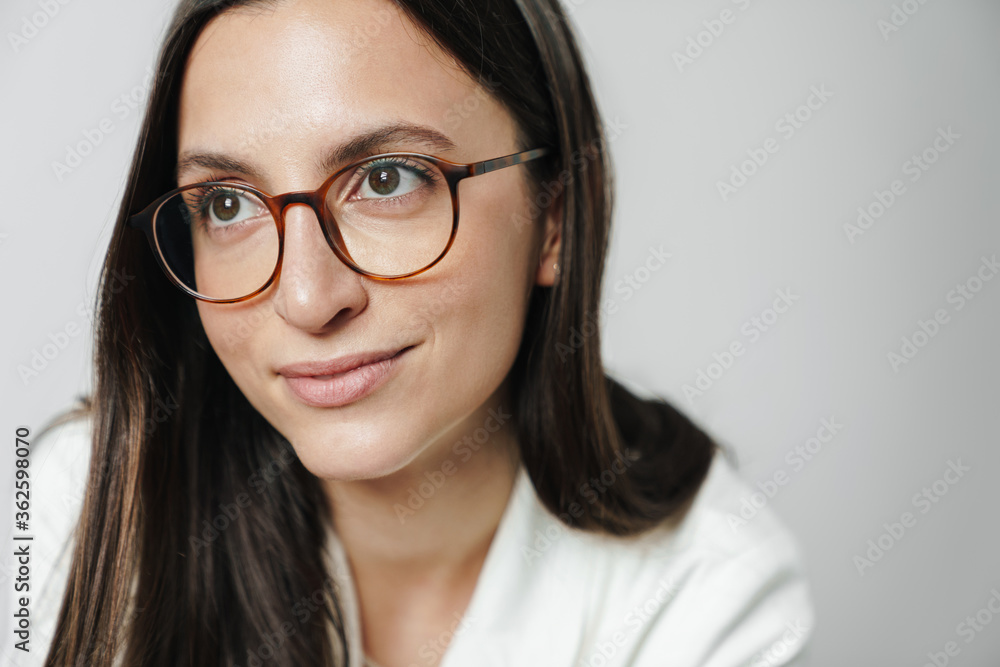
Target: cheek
point(478, 314)
point(234, 330)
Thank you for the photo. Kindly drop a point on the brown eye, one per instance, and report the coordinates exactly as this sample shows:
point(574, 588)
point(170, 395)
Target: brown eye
point(384, 180)
point(226, 207)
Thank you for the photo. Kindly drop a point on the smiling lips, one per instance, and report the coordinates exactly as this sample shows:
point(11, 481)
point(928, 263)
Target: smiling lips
point(329, 384)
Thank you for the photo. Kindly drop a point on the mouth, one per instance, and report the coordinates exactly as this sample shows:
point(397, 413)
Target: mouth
point(339, 382)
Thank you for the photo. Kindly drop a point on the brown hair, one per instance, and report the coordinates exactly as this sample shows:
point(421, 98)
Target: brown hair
point(141, 588)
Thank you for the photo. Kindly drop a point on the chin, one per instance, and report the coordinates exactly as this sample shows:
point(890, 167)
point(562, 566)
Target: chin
point(350, 454)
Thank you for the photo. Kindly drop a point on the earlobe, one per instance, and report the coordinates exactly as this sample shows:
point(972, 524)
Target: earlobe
point(549, 269)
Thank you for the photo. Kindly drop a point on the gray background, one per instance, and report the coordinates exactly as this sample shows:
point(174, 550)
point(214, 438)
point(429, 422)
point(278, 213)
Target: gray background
point(683, 128)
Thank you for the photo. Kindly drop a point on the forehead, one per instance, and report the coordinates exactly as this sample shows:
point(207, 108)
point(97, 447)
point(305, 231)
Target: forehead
point(277, 82)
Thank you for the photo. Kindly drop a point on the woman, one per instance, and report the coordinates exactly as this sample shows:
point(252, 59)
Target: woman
point(346, 425)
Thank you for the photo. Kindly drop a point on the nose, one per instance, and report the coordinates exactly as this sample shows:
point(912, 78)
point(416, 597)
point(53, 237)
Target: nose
point(315, 291)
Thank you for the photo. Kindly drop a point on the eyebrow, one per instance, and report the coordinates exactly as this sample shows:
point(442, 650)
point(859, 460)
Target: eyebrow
point(368, 143)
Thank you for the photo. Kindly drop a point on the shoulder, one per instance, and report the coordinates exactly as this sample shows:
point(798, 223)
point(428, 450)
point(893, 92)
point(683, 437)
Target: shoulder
point(706, 591)
point(741, 580)
point(58, 465)
point(60, 461)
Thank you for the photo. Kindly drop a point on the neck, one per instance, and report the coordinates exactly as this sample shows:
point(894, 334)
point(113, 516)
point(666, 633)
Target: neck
point(435, 518)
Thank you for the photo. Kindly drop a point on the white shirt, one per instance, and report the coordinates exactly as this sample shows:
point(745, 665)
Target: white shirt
point(709, 592)
point(57, 470)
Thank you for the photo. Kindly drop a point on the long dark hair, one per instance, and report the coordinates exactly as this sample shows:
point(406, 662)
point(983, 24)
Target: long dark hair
point(178, 450)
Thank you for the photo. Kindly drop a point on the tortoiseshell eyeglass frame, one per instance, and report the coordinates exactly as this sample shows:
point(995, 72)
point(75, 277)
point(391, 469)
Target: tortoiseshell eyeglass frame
point(454, 172)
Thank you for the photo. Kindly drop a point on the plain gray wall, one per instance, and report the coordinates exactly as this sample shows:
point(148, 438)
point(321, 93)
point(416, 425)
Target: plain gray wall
point(891, 76)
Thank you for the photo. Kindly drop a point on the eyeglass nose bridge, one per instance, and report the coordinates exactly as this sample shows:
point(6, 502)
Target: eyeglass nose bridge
point(316, 200)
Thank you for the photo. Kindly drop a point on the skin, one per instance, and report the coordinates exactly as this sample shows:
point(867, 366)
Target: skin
point(277, 89)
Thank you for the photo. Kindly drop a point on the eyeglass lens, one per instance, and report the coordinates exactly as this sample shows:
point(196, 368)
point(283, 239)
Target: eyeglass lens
point(394, 214)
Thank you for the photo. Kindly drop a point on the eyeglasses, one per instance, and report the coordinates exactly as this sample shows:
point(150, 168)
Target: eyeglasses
point(388, 216)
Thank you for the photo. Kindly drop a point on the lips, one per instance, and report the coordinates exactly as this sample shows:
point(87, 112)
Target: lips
point(340, 381)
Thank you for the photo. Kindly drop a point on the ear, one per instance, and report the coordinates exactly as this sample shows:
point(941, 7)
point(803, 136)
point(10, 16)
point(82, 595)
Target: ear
point(551, 244)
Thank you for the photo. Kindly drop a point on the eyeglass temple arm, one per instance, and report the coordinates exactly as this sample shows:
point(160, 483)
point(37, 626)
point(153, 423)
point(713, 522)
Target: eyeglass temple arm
point(141, 221)
point(507, 161)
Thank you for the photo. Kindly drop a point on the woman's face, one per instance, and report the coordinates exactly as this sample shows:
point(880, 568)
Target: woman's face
point(274, 92)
